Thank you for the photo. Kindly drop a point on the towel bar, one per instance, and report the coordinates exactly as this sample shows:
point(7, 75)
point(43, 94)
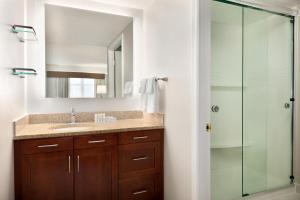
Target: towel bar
point(162, 79)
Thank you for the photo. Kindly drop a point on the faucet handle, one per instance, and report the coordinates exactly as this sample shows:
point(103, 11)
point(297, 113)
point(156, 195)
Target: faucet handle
point(73, 116)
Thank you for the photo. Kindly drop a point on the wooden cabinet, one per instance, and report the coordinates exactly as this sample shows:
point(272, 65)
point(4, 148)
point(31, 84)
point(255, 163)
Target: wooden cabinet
point(139, 159)
point(140, 187)
point(44, 169)
point(115, 166)
point(96, 167)
point(141, 165)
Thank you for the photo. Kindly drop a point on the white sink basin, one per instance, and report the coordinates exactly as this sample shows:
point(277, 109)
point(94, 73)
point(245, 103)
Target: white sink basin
point(71, 127)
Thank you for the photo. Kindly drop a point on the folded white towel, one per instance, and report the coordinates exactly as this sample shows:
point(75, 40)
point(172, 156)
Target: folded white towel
point(128, 88)
point(150, 97)
point(150, 85)
point(153, 100)
point(142, 88)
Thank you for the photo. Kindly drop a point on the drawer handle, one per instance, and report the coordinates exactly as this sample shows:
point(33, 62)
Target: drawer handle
point(69, 164)
point(140, 137)
point(140, 158)
point(139, 192)
point(78, 164)
point(48, 146)
point(96, 141)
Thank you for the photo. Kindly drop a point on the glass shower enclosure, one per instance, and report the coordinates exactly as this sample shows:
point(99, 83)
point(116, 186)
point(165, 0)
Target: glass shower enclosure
point(251, 101)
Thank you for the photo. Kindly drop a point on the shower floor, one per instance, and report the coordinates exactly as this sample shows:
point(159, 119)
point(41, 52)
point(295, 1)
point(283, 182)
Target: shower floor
point(287, 197)
point(293, 196)
point(283, 194)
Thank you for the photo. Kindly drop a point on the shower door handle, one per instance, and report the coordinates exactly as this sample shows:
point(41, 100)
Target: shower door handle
point(215, 108)
point(287, 105)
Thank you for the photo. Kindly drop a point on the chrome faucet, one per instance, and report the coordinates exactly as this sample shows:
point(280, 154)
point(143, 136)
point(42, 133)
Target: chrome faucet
point(73, 116)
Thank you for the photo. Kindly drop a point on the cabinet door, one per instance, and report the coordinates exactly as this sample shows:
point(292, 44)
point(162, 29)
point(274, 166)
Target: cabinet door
point(48, 176)
point(96, 173)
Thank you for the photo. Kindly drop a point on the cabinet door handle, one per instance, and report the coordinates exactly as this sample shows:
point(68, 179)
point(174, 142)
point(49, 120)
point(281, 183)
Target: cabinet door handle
point(139, 192)
point(48, 146)
point(78, 164)
point(96, 141)
point(140, 158)
point(140, 137)
point(69, 164)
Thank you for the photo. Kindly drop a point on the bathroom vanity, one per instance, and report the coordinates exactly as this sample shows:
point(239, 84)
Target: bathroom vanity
point(91, 56)
point(102, 163)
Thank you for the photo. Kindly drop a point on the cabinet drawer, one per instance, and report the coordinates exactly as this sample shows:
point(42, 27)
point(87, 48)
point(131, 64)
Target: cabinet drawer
point(89, 141)
point(140, 136)
point(139, 159)
point(141, 188)
point(46, 145)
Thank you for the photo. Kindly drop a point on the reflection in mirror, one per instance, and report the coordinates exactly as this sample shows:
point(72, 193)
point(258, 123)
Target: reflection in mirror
point(88, 54)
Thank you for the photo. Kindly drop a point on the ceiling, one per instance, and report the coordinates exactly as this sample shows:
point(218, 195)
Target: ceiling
point(233, 15)
point(81, 27)
point(284, 3)
point(142, 4)
point(138, 4)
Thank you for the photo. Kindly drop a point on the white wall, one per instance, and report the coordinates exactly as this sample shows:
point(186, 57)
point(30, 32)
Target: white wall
point(11, 90)
point(168, 52)
point(36, 101)
point(177, 45)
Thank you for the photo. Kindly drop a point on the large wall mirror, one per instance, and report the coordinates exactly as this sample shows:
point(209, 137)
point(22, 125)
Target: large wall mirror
point(88, 54)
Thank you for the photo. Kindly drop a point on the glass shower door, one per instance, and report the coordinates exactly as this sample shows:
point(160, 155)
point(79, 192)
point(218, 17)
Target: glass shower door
point(226, 101)
point(251, 101)
point(267, 110)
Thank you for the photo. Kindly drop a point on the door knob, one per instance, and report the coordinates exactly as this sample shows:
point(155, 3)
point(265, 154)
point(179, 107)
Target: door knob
point(208, 127)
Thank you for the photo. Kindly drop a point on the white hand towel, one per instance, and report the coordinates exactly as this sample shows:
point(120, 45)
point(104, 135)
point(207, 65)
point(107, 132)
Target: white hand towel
point(150, 96)
point(153, 98)
point(150, 85)
point(142, 88)
point(128, 88)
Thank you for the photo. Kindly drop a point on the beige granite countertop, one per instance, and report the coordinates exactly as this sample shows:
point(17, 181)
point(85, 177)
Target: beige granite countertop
point(48, 130)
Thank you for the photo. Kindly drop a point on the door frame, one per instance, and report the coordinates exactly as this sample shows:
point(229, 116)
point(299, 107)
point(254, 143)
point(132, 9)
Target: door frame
point(201, 43)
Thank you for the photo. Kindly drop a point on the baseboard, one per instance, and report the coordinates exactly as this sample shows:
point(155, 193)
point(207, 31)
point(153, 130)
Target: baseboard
point(297, 186)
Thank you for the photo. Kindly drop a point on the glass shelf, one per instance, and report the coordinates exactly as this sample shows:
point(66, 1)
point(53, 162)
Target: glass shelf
point(22, 72)
point(232, 145)
point(24, 33)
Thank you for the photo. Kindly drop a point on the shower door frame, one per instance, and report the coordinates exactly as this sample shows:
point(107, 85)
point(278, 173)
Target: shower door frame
point(294, 21)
